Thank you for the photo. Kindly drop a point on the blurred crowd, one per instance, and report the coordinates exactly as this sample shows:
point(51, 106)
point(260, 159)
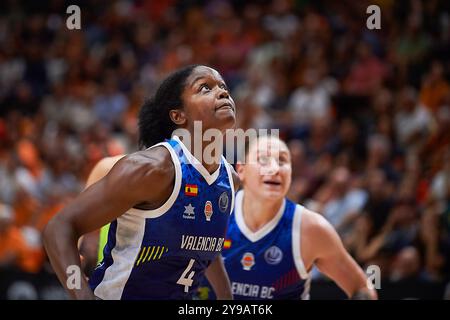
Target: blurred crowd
point(366, 113)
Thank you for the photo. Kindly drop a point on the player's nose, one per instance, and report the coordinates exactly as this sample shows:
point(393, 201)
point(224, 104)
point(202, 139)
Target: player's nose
point(223, 93)
point(272, 168)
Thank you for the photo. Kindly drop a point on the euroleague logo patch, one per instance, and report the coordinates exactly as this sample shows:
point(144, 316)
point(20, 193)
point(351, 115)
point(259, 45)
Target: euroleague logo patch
point(223, 201)
point(273, 255)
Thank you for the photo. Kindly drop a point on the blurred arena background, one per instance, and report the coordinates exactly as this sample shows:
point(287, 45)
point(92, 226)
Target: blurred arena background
point(366, 114)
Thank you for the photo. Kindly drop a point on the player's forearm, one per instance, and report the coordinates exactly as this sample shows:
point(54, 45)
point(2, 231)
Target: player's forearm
point(60, 241)
point(218, 278)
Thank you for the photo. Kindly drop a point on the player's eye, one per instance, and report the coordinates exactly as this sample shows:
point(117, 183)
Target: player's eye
point(223, 86)
point(204, 88)
point(283, 160)
point(263, 160)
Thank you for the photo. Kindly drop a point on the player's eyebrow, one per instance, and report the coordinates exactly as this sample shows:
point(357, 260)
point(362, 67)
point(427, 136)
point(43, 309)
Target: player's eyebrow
point(197, 79)
point(284, 153)
point(268, 152)
point(221, 81)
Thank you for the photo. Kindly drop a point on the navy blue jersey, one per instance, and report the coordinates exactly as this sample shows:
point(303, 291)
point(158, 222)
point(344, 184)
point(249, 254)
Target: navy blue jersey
point(162, 253)
point(265, 264)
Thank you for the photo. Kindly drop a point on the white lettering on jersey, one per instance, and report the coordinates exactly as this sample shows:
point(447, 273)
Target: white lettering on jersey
point(199, 243)
point(252, 290)
point(266, 292)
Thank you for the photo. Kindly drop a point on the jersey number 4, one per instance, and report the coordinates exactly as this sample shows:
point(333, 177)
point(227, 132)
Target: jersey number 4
point(185, 279)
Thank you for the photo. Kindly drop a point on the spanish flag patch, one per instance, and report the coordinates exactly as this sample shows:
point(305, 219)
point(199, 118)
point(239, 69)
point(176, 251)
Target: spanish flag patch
point(227, 244)
point(191, 190)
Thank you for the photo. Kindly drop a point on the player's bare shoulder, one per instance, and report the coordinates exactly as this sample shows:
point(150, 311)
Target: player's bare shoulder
point(321, 236)
point(315, 226)
point(313, 220)
point(148, 172)
point(149, 164)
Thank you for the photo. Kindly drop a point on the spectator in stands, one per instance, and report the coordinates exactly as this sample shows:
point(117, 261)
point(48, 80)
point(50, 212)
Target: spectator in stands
point(15, 250)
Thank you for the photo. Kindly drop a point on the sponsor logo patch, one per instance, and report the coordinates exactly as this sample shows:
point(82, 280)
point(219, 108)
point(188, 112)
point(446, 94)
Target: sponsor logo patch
point(189, 212)
point(248, 261)
point(208, 210)
point(273, 255)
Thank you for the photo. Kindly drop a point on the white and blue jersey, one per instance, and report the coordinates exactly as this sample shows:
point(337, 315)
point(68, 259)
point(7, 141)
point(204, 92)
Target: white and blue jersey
point(265, 264)
point(162, 253)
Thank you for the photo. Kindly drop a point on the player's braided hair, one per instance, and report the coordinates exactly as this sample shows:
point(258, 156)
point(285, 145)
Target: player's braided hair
point(155, 124)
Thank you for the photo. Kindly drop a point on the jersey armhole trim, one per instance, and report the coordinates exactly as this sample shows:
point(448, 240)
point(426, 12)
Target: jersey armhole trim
point(156, 213)
point(296, 242)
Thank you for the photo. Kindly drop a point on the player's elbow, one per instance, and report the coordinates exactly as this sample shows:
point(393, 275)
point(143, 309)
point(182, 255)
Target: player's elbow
point(49, 233)
point(56, 230)
point(49, 236)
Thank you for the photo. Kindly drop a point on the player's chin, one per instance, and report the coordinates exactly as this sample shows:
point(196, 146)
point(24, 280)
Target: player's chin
point(273, 197)
point(273, 194)
point(225, 120)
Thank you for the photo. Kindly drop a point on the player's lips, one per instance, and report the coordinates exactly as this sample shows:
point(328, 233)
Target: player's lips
point(272, 182)
point(225, 106)
point(272, 186)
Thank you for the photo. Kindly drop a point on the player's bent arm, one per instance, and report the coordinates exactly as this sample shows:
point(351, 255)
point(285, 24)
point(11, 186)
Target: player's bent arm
point(334, 261)
point(102, 168)
point(218, 278)
point(141, 177)
point(91, 240)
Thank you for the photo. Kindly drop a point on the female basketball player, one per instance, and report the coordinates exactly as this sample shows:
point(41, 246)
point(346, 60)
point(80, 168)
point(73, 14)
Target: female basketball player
point(99, 238)
point(272, 243)
point(168, 210)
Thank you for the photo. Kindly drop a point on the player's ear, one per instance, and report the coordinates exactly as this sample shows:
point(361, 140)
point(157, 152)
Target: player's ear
point(240, 170)
point(178, 117)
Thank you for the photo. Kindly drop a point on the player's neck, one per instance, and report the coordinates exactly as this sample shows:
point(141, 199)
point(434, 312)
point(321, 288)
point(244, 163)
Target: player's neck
point(209, 160)
point(257, 212)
